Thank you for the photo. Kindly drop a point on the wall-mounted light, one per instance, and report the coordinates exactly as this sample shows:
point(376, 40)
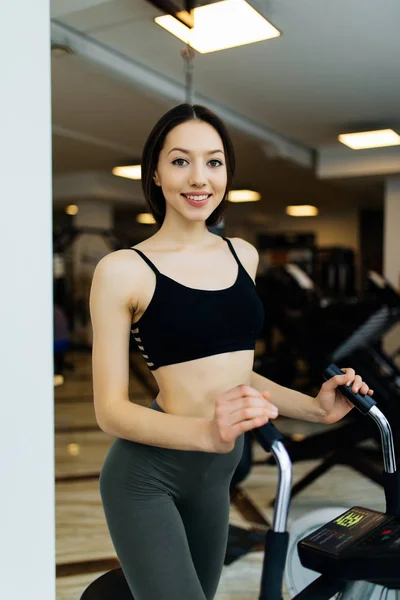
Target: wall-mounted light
point(302, 210)
point(128, 171)
point(145, 219)
point(221, 25)
point(72, 209)
point(243, 196)
point(362, 140)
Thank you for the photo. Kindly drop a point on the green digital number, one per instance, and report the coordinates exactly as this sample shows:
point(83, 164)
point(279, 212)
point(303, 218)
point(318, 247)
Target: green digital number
point(349, 519)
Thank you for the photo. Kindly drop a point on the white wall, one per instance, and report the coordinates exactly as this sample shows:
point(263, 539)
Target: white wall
point(27, 555)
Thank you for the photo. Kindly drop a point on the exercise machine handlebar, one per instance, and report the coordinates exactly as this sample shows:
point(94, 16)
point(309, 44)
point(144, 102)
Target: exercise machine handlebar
point(363, 403)
point(277, 538)
point(367, 406)
point(267, 435)
point(271, 440)
point(276, 542)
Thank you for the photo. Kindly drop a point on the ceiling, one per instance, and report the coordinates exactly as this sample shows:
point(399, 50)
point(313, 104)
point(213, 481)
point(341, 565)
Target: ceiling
point(334, 67)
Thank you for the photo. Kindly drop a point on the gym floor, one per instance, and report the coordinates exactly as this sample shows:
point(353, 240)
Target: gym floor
point(83, 547)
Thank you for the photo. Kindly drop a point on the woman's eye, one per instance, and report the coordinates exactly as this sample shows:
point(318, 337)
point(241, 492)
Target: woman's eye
point(216, 163)
point(179, 162)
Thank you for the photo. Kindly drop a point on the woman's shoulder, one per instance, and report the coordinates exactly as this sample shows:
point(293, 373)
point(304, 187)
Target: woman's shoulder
point(120, 277)
point(244, 248)
point(247, 255)
point(121, 268)
point(117, 261)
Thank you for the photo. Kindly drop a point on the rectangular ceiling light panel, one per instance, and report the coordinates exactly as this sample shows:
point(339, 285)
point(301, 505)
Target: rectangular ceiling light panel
point(221, 25)
point(370, 139)
point(128, 171)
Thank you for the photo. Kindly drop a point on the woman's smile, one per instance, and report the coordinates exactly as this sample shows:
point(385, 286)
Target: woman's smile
point(196, 200)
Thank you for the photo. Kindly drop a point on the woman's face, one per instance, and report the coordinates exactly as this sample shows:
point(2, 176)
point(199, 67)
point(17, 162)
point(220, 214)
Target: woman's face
point(191, 170)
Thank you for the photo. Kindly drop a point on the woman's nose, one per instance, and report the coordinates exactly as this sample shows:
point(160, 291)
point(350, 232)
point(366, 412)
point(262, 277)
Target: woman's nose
point(197, 176)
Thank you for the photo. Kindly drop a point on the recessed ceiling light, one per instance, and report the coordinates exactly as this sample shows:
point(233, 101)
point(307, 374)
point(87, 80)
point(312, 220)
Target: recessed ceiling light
point(72, 209)
point(302, 210)
point(370, 139)
point(221, 25)
point(128, 171)
point(145, 219)
point(243, 196)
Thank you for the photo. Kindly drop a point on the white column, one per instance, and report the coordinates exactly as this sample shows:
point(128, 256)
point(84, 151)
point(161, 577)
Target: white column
point(391, 236)
point(27, 546)
point(87, 251)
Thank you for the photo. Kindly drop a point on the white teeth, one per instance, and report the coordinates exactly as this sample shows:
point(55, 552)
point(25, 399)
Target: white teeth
point(197, 197)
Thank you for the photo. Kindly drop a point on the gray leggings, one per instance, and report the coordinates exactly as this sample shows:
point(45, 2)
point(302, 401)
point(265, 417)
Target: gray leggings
point(168, 514)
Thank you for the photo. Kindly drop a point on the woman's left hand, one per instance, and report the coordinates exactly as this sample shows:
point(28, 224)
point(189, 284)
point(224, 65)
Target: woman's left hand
point(335, 406)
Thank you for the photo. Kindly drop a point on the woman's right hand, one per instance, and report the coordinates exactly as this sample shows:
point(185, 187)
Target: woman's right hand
point(238, 410)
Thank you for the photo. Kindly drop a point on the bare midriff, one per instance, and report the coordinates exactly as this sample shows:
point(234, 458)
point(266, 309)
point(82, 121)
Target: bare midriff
point(191, 388)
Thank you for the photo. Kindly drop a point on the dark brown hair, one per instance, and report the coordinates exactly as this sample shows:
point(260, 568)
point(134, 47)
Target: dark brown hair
point(155, 142)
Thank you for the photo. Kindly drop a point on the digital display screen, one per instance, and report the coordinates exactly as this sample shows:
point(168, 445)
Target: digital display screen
point(344, 531)
point(349, 519)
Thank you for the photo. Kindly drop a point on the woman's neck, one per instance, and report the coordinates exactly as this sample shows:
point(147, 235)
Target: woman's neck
point(196, 235)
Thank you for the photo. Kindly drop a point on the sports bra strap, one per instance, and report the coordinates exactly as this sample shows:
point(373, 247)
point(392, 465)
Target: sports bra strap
point(147, 260)
point(233, 251)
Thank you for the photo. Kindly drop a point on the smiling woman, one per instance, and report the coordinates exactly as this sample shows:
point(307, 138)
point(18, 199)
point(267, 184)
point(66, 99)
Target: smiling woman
point(195, 315)
point(189, 299)
point(201, 146)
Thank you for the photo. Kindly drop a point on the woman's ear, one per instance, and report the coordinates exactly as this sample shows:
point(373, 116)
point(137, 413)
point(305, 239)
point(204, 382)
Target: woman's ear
point(156, 179)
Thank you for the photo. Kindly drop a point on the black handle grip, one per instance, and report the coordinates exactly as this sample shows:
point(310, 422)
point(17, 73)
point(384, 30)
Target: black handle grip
point(363, 403)
point(276, 546)
point(391, 484)
point(266, 435)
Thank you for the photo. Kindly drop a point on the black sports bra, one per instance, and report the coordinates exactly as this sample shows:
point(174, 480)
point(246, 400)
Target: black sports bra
point(183, 323)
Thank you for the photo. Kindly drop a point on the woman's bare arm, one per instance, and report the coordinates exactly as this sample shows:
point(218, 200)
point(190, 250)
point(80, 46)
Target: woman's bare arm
point(115, 277)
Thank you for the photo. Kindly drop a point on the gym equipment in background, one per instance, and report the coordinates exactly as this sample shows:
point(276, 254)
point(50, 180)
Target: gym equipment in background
point(302, 326)
point(65, 292)
point(361, 347)
point(334, 272)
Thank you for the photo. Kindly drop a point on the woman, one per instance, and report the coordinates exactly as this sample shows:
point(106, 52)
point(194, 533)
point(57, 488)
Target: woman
point(190, 300)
